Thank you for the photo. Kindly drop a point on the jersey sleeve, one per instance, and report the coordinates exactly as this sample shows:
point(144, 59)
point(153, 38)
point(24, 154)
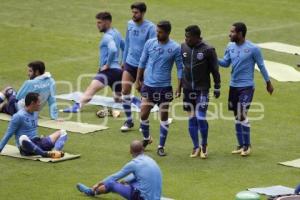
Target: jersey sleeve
point(111, 48)
point(23, 91)
point(52, 101)
point(145, 55)
point(179, 62)
point(152, 32)
point(126, 44)
point(225, 62)
point(260, 63)
point(125, 171)
point(214, 67)
point(11, 130)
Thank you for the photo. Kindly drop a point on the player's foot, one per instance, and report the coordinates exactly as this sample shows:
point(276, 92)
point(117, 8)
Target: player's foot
point(246, 151)
point(55, 154)
point(84, 189)
point(147, 141)
point(203, 153)
point(74, 109)
point(238, 150)
point(127, 126)
point(161, 151)
point(195, 153)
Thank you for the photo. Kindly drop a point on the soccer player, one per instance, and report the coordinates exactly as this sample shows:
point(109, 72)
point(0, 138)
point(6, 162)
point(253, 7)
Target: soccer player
point(142, 178)
point(40, 82)
point(110, 72)
point(200, 60)
point(156, 65)
point(24, 126)
point(138, 32)
point(242, 55)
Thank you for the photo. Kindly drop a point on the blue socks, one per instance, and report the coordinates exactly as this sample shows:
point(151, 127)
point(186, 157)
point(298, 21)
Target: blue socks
point(193, 130)
point(84, 189)
point(60, 142)
point(127, 107)
point(164, 127)
point(32, 148)
point(136, 101)
point(145, 128)
point(239, 133)
point(246, 132)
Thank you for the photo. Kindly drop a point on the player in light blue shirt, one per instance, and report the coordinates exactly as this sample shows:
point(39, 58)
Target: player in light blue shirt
point(156, 65)
point(24, 126)
point(138, 32)
point(40, 82)
point(242, 55)
point(110, 72)
point(140, 178)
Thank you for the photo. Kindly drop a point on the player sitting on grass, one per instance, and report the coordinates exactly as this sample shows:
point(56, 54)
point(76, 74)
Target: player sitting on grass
point(24, 126)
point(142, 178)
point(40, 82)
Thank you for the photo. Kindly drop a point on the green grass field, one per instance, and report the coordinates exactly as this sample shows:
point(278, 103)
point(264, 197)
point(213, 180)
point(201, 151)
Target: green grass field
point(64, 35)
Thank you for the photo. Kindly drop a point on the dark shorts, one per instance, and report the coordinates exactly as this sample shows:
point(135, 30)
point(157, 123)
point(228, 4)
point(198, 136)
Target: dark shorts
point(111, 77)
point(11, 106)
point(132, 70)
point(157, 95)
point(44, 143)
point(195, 100)
point(240, 98)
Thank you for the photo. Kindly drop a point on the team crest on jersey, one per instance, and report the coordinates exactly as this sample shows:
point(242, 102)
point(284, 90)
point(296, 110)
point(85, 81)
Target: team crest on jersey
point(246, 50)
point(143, 30)
point(170, 50)
point(184, 54)
point(200, 56)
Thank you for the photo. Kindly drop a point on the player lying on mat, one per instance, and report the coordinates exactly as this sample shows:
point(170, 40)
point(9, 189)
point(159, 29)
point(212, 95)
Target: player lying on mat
point(24, 126)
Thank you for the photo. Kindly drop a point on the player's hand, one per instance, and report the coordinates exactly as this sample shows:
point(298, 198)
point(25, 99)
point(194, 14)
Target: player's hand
point(94, 188)
point(217, 93)
point(178, 92)
point(104, 67)
point(138, 85)
point(270, 87)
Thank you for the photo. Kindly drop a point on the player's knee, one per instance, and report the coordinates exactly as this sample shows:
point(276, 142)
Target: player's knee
point(23, 138)
point(109, 185)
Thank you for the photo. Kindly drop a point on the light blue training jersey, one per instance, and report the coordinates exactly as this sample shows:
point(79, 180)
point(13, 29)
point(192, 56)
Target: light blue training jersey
point(22, 123)
point(158, 60)
point(136, 37)
point(146, 174)
point(110, 47)
point(242, 59)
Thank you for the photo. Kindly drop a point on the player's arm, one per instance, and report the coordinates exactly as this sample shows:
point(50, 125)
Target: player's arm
point(179, 65)
point(214, 70)
point(12, 128)
point(124, 172)
point(23, 91)
point(111, 52)
point(142, 66)
point(152, 32)
point(52, 102)
point(126, 46)
point(261, 65)
point(225, 62)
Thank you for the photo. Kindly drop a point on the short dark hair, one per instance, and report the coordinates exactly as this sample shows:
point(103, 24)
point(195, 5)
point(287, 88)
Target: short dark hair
point(31, 97)
point(141, 6)
point(193, 30)
point(165, 25)
point(37, 66)
point(104, 16)
point(240, 27)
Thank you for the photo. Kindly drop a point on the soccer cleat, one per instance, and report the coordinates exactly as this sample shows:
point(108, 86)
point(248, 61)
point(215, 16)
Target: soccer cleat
point(203, 153)
point(84, 189)
point(161, 151)
point(147, 141)
point(115, 113)
point(74, 109)
point(127, 126)
point(246, 151)
point(55, 154)
point(238, 150)
point(195, 153)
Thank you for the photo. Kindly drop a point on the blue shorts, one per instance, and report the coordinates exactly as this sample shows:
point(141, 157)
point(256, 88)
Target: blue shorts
point(132, 70)
point(195, 100)
point(157, 95)
point(111, 77)
point(240, 98)
point(44, 143)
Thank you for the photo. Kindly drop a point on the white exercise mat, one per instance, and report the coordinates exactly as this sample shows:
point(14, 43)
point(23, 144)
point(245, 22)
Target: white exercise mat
point(100, 101)
point(273, 190)
point(281, 47)
point(281, 72)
